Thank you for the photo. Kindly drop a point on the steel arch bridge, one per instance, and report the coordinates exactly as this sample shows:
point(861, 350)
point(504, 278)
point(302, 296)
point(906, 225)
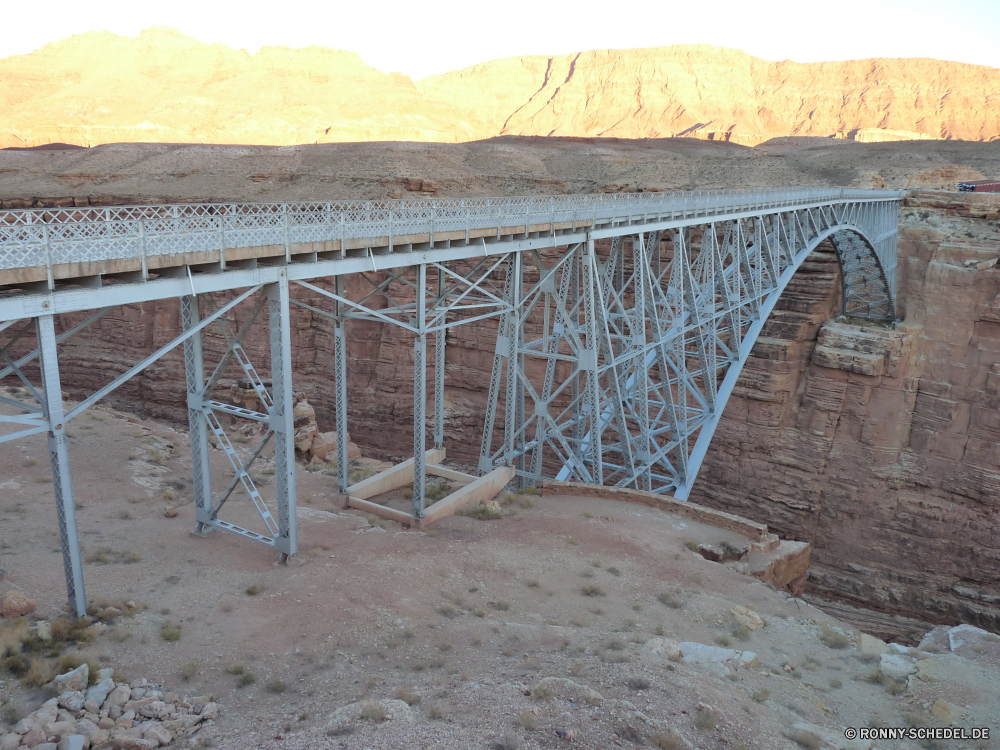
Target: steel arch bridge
point(623, 322)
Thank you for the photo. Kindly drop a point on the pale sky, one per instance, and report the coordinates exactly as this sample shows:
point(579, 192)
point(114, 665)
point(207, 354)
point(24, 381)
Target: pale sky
point(433, 36)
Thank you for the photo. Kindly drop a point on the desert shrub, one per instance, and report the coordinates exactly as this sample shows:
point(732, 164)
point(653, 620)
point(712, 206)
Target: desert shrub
point(705, 720)
point(189, 670)
point(832, 638)
point(592, 589)
point(740, 631)
point(276, 686)
point(638, 683)
point(245, 678)
point(805, 738)
point(669, 739)
point(667, 600)
point(109, 556)
point(170, 631)
point(484, 513)
point(235, 669)
point(408, 694)
point(374, 712)
point(761, 695)
point(527, 720)
point(508, 741)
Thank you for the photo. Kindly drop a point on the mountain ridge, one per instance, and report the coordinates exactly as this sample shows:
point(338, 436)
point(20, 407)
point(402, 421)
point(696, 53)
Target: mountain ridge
point(163, 86)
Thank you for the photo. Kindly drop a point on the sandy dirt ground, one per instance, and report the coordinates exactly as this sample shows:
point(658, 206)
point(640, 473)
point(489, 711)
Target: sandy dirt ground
point(462, 621)
point(499, 166)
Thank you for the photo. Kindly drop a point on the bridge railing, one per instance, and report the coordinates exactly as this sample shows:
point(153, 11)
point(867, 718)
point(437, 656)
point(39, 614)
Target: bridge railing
point(47, 237)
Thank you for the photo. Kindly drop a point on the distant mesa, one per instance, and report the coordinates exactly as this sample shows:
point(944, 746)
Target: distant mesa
point(164, 87)
point(45, 147)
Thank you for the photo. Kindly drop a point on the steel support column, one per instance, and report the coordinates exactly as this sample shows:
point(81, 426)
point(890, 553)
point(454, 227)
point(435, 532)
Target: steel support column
point(340, 387)
point(439, 352)
point(61, 477)
point(194, 371)
point(281, 418)
point(420, 393)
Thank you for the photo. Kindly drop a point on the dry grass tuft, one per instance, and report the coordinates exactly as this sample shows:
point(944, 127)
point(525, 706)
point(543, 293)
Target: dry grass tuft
point(638, 683)
point(592, 589)
point(669, 739)
point(170, 631)
point(408, 694)
point(374, 712)
point(189, 670)
point(761, 695)
point(109, 556)
point(527, 720)
point(705, 720)
point(509, 741)
point(805, 738)
point(833, 639)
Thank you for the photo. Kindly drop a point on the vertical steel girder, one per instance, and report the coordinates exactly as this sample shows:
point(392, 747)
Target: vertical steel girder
point(281, 418)
point(59, 454)
point(340, 387)
point(194, 371)
point(642, 350)
point(420, 394)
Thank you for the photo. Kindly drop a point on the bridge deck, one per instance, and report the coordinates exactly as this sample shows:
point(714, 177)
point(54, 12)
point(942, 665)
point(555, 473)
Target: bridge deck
point(43, 250)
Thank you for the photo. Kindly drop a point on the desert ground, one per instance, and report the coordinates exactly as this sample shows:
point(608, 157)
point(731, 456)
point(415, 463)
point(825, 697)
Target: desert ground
point(452, 632)
point(143, 172)
point(378, 636)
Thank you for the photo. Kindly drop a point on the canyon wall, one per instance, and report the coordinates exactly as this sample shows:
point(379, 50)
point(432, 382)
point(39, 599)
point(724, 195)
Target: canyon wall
point(879, 445)
point(164, 87)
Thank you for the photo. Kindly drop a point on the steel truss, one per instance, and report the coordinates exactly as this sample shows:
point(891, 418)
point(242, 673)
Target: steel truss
point(629, 354)
point(619, 340)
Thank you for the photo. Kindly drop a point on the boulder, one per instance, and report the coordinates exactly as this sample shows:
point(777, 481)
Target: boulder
point(897, 666)
point(86, 727)
point(324, 447)
point(158, 733)
point(72, 742)
point(75, 680)
point(71, 700)
point(10, 741)
point(947, 713)
point(210, 712)
point(99, 737)
point(869, 645)
point(98, 693)
point(748, 618)
point(16, 604)
point(34, 738)
point(118, 697)
point(661, 647)
point(699, 653)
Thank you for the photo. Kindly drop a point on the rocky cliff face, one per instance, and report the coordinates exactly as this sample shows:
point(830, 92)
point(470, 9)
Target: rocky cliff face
point(723, 94)
point(879, 445)
point(163, 87)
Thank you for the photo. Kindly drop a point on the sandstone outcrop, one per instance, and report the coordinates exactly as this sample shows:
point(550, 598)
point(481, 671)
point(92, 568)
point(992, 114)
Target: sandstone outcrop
point(878, 444)
point(164, 87)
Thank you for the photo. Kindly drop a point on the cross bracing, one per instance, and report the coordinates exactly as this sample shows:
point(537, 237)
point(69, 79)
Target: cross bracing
point(622, 324)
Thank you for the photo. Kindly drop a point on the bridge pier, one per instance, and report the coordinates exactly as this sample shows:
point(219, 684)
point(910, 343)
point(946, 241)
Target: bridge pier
point(62, 479)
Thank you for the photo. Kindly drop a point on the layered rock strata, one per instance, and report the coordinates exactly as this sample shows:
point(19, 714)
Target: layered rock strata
point(877, 444)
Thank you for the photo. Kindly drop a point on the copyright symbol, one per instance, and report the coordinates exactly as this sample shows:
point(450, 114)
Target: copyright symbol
point(850, 733)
